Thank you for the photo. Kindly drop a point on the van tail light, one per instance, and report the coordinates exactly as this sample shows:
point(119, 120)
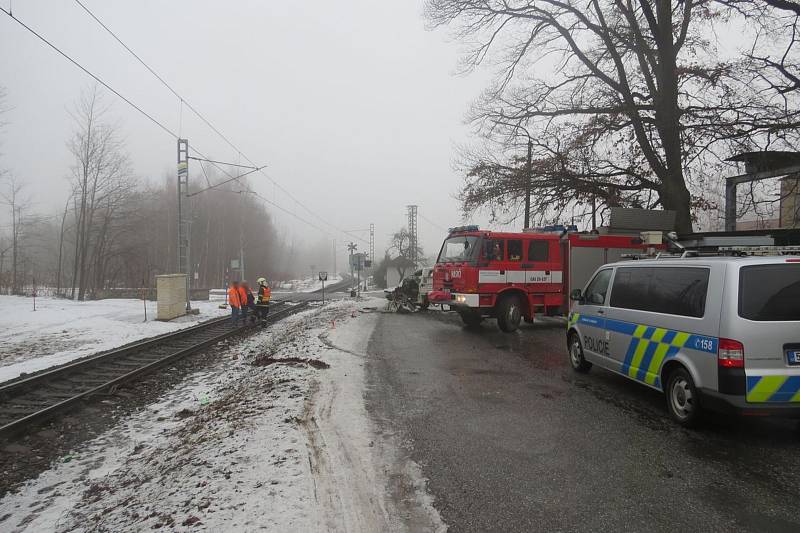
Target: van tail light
point(730, 354)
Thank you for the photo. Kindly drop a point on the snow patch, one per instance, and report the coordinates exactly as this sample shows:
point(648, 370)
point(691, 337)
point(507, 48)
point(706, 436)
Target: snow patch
point(60, 331)
point(284, 447)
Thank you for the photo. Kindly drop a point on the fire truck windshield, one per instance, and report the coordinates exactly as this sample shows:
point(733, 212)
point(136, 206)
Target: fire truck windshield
point(459, 249)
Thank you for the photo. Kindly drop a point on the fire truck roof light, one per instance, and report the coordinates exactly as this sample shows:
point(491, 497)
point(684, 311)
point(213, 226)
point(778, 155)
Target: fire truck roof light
point(459, 229)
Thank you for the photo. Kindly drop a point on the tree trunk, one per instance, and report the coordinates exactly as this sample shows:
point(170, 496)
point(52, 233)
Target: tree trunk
point(61, 248)
point(15, 247)
point(674, 193)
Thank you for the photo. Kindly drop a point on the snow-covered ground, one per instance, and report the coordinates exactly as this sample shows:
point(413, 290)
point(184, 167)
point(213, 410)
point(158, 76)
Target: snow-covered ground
point(305, 285)
point(275, 438)
point(59, 330)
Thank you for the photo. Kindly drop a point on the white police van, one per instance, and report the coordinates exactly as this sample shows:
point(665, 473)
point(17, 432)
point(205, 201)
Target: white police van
point(719, 333)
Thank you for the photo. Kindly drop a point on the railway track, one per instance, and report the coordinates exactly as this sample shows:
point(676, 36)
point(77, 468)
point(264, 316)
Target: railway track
point(336, 286)
point(32, 400)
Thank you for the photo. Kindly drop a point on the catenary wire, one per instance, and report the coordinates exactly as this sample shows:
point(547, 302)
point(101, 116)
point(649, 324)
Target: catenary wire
point(157, 122)
point(94, 76)
point(209, 124)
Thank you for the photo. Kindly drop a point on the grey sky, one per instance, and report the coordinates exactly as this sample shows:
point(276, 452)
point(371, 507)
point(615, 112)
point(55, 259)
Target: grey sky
point(352, 104)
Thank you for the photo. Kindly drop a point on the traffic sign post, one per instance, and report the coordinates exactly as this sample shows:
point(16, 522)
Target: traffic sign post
point(357, 263)
point(323, 277)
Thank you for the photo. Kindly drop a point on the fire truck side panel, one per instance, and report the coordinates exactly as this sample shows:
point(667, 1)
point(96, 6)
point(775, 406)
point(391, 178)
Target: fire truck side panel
point(583, 263)
point(585, 253)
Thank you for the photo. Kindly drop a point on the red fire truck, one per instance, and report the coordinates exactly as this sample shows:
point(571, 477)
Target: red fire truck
point(514, 276)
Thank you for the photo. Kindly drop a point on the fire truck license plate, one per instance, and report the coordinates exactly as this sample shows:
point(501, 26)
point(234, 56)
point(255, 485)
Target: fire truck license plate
point(793, 356)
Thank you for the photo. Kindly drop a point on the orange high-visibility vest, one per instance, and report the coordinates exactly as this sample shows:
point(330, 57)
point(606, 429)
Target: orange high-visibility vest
point(234, 297)
point(264, 295)
point(242, 297)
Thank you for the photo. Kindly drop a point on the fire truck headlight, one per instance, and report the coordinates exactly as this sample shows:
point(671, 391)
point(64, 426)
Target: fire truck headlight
point(461, 299)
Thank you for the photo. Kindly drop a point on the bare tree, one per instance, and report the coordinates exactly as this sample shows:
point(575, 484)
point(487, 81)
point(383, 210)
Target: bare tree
point(101, 177)
point(13, 198)
point(640, 84)
point(401, 244)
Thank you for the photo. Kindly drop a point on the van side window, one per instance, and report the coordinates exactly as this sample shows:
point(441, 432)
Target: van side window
point(538, 250)
point(770, 292)
point(669, 290)
point(598, 288)
point(514, 249)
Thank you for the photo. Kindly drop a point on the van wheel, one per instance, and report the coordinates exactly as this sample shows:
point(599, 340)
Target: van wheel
point(576, 359)
point(471, 318)
point(509, 313)
point(683, 401)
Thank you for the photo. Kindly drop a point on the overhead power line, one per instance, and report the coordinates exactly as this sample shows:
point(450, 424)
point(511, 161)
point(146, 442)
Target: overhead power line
point(210, 125)
point(154, 73)
point(221, 183)
point(432, 223)
point(110, 88)
point(96, 78)
point(249, 167)
point(153, 119)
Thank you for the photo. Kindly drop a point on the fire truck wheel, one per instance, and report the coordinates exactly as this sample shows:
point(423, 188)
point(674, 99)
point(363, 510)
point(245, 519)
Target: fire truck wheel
point(471, 318)
point(509, 313)
point(576, 359)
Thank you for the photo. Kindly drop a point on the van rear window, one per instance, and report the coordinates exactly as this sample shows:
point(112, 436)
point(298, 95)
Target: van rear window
point(770, 292)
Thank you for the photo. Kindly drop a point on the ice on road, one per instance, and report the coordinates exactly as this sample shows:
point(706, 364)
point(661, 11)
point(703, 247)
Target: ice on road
point(60, 330)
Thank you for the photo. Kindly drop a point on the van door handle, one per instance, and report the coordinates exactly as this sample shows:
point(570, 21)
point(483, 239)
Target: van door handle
point(601, 311)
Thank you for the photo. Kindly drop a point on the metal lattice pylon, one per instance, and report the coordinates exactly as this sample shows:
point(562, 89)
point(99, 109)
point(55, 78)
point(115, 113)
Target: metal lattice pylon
point(412, 234)
point(372, 243)
point(184, 220)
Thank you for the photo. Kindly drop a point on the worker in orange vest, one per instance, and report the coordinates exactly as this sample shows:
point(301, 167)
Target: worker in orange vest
point(262, 299)
point(243, 300)
point(235, 301)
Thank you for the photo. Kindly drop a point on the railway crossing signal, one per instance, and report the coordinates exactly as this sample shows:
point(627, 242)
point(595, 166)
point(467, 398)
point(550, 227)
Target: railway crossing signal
point(323, 277)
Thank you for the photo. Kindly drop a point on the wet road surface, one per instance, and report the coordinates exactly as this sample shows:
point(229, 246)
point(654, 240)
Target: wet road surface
point(511, 439)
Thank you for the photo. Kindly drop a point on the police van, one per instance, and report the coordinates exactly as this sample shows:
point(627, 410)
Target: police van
point(719, 333)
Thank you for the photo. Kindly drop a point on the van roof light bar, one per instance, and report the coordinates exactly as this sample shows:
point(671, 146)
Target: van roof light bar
point(760, 250)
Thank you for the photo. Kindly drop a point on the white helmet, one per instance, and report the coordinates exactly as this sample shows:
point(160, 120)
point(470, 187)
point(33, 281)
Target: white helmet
point(262, 281)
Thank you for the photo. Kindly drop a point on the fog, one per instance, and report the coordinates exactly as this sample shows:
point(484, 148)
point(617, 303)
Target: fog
point(353, 106)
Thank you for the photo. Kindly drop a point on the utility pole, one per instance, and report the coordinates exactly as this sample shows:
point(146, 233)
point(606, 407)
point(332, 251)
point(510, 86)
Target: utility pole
point(372, 244)
point(183, 215)
point(351, 247)
point(528, 179)
point(241, 234)
point(412, 234)
point(241, 254)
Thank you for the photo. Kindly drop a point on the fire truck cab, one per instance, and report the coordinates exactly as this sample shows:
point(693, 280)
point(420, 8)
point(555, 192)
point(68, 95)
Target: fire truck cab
point(514, 276)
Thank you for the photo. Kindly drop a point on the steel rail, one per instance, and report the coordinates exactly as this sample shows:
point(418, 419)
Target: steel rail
point(11, 394)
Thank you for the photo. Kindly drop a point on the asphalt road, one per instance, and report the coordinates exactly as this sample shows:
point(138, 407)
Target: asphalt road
point(511, 439)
